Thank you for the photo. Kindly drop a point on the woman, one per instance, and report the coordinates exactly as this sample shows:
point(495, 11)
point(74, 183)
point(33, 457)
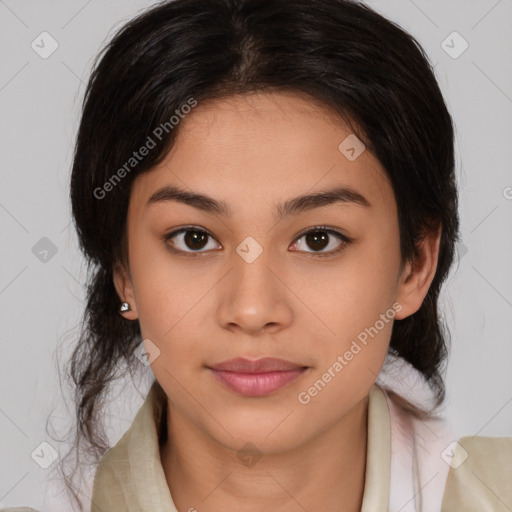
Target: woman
point(265, 191)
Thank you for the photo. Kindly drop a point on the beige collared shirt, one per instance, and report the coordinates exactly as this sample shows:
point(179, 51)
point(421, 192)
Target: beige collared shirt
point(130, 477)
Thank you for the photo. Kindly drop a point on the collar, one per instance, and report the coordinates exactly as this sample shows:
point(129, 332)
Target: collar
point(130, 476)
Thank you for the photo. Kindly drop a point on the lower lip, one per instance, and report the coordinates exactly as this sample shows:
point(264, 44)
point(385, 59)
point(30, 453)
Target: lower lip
point(257, 384)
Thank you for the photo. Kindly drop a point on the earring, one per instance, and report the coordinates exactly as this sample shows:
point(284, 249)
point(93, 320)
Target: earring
point(124, 307)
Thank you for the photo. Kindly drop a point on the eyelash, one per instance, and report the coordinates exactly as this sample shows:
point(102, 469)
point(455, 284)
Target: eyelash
point(343, 238)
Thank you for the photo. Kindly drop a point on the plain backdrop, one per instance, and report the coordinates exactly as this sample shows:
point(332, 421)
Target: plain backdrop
point(42, 272)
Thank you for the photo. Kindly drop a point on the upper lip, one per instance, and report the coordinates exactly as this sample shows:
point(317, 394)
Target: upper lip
point(265, 364)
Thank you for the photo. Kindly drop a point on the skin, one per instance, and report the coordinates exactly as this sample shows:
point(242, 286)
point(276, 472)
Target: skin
point(254, 151)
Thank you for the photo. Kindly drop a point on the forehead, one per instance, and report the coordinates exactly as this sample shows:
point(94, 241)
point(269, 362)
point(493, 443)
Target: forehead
point(263, 148)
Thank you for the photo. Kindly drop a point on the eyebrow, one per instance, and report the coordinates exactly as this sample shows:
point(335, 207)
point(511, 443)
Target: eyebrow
point(292, 206)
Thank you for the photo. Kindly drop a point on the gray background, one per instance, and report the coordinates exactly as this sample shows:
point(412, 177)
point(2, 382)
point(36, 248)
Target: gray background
point(41, 296)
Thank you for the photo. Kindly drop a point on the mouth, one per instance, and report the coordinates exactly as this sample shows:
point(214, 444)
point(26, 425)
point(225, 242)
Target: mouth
point(256, 378)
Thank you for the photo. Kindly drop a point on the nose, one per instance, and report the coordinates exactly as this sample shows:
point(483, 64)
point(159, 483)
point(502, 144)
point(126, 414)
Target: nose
point(254, 297)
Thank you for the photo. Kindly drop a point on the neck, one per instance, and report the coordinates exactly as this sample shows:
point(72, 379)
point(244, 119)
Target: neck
point(325, 473)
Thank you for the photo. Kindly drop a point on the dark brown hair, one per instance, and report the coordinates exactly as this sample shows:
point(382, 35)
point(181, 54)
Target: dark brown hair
point(337, 52)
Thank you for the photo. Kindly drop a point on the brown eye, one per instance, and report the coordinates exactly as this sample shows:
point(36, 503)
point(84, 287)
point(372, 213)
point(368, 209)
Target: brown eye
point(195, 239)
point(318, 239)
point(189, 240)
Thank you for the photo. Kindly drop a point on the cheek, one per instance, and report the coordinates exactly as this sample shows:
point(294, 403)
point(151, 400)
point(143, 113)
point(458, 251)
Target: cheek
point(357, 304)
point(163, 294)
point(171, 299)
point(353, 294)
point(352, 355)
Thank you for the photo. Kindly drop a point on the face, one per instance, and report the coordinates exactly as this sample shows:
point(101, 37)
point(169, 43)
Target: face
point(252, 272)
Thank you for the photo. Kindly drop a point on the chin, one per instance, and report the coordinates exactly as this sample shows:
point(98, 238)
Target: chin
point(268, 437)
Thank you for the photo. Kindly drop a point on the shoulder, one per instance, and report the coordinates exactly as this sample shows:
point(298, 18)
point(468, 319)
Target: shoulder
point(480, 475)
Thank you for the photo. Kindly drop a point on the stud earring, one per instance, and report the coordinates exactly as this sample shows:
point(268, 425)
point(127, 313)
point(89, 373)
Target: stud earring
point(124, 307)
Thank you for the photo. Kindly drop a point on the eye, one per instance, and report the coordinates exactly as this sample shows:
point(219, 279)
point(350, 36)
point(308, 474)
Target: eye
point(188, 238)
point(192, 241)
point(321, 237)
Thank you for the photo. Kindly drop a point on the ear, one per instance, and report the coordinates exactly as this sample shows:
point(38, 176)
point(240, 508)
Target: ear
point(124, 288)
point(418, 275)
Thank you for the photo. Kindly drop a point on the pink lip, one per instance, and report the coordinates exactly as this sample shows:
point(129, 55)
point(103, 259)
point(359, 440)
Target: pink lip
point(265, 364)
point(256, 378)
